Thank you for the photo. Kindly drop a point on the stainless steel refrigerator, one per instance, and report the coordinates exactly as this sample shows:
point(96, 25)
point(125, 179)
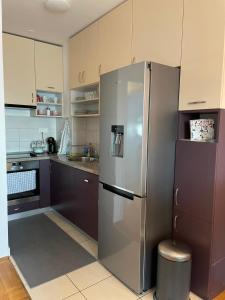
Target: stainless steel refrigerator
point(138, 124)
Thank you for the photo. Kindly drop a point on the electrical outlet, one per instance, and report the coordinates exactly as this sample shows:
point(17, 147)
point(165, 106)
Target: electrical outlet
point(43, 130)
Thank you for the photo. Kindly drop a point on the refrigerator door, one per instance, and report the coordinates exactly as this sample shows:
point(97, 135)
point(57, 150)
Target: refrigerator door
point(121, 236)
point(124, 128)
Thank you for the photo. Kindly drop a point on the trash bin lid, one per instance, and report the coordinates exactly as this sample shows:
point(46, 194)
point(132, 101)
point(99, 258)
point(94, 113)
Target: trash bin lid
point(174, 251)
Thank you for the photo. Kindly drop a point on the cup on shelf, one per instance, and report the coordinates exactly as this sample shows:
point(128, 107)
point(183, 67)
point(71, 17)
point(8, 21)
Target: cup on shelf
point(41, 112)
point(91, 95)
point(55, 99)
point(55, 113)
point(45, 98)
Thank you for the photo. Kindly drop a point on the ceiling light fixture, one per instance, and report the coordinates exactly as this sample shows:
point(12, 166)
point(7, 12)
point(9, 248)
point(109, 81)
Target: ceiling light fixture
point(57, 5)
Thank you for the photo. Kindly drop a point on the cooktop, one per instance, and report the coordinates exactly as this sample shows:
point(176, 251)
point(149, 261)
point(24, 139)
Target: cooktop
point(17, 155)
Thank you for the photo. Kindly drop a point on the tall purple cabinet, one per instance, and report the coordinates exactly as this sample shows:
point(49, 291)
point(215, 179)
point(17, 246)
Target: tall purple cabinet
point(199, 202)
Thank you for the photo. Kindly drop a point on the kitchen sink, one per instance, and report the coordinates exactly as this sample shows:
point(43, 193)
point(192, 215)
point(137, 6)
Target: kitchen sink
point(82, 158)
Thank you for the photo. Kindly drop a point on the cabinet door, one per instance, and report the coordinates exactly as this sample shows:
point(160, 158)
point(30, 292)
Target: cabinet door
point(19, 71)
point(74, 194)
point(62, 189)
point(196, 234)
point(86, 214)
point(202, 54)
point(49, 67)
point(194, 178)
point(45, 183)
point(91, 64)
point(76, 60)
point(157, 31)
point(115, 36)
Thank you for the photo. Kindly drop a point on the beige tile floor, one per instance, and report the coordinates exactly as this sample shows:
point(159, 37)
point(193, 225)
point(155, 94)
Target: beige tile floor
point(92, 282)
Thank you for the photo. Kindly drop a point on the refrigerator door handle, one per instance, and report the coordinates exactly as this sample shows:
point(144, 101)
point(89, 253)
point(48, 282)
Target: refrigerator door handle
point(118, 191)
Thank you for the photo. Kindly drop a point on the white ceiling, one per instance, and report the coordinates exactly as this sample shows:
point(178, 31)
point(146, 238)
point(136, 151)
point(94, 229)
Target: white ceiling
point(30, 18)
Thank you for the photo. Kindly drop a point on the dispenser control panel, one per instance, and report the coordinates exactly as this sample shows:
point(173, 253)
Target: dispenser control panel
point(117, 140)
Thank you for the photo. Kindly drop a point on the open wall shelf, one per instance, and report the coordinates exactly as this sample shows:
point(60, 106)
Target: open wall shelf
point(49, 100)
point(85, 102)
point(184, 132)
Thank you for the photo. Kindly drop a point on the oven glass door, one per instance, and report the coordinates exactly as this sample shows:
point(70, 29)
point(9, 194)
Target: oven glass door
point(23, 184)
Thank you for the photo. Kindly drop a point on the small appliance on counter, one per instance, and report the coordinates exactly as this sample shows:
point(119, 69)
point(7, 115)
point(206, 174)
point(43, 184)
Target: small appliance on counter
point(38, 147)
point(52, 147)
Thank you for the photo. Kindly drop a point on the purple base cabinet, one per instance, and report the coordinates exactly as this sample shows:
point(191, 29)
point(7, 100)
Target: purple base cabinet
point(45, 183)
point(74, 194)
point(199, 202)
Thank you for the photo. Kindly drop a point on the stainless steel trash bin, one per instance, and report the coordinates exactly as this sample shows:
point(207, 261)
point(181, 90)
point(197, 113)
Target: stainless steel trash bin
point(174, 271)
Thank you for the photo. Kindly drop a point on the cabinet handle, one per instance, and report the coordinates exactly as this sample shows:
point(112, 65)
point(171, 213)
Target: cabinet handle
point(175, 223)
point(79, 77)
point(83, 76)
point(99, 69)
point(197, 102)
point(51, 87)
point(86, 180)
point(133, 60)
point(176, 196)
point(15, 209)
point(32, 97)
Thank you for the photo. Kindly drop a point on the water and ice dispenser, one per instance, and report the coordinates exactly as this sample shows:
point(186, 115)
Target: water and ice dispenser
point(117, 140)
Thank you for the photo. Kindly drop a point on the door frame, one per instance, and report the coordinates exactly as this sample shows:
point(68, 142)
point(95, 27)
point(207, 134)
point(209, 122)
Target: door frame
point(4, 248)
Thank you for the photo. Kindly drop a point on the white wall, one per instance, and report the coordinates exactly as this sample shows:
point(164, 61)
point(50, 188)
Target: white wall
point(4, 249)
point(22, 129)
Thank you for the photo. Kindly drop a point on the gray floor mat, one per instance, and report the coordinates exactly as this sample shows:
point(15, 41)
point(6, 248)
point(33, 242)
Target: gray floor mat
point(43, 251)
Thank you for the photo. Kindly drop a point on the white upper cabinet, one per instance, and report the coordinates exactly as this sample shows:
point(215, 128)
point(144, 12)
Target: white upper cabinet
point(76, 60)
point(19, 70)
point(90, 72)
point(157, 31)
point(115, 36)
point(203, 55)
point(48, 67)
point(84, 57)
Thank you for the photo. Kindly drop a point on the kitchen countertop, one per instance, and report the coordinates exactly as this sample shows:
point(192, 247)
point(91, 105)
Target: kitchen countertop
point(91, 167)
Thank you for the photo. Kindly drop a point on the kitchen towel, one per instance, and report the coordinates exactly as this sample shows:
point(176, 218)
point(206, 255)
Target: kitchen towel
point(65, 139)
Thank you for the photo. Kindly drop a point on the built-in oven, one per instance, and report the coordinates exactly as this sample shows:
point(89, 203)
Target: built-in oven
point(23, 185)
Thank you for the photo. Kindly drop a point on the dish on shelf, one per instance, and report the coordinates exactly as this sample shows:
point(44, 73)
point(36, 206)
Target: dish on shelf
point(83, 112)
point(79, 98)
point(49, 99)
point(41, 112)
point(92, 112)
point(55, 113)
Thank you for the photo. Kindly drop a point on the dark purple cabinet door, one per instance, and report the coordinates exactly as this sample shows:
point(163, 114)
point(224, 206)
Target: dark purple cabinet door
point(45, 183)
point(194, 178)
point(87, 202)
point(62, 189)
point(197, 234)
point(17, 208)
point(75, 196)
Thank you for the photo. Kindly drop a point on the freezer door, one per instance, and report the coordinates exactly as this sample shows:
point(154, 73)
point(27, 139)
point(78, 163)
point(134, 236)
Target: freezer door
point(124, 127)
point(121, 236)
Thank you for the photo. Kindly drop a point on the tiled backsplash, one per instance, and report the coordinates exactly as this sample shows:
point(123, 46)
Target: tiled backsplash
point(85, 131)
point(22, 130)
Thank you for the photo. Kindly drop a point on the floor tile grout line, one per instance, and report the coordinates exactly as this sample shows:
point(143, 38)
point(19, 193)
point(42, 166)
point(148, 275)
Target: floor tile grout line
point(67, 297)
point(95, 283)
point(67, 275)
point(83, 296)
